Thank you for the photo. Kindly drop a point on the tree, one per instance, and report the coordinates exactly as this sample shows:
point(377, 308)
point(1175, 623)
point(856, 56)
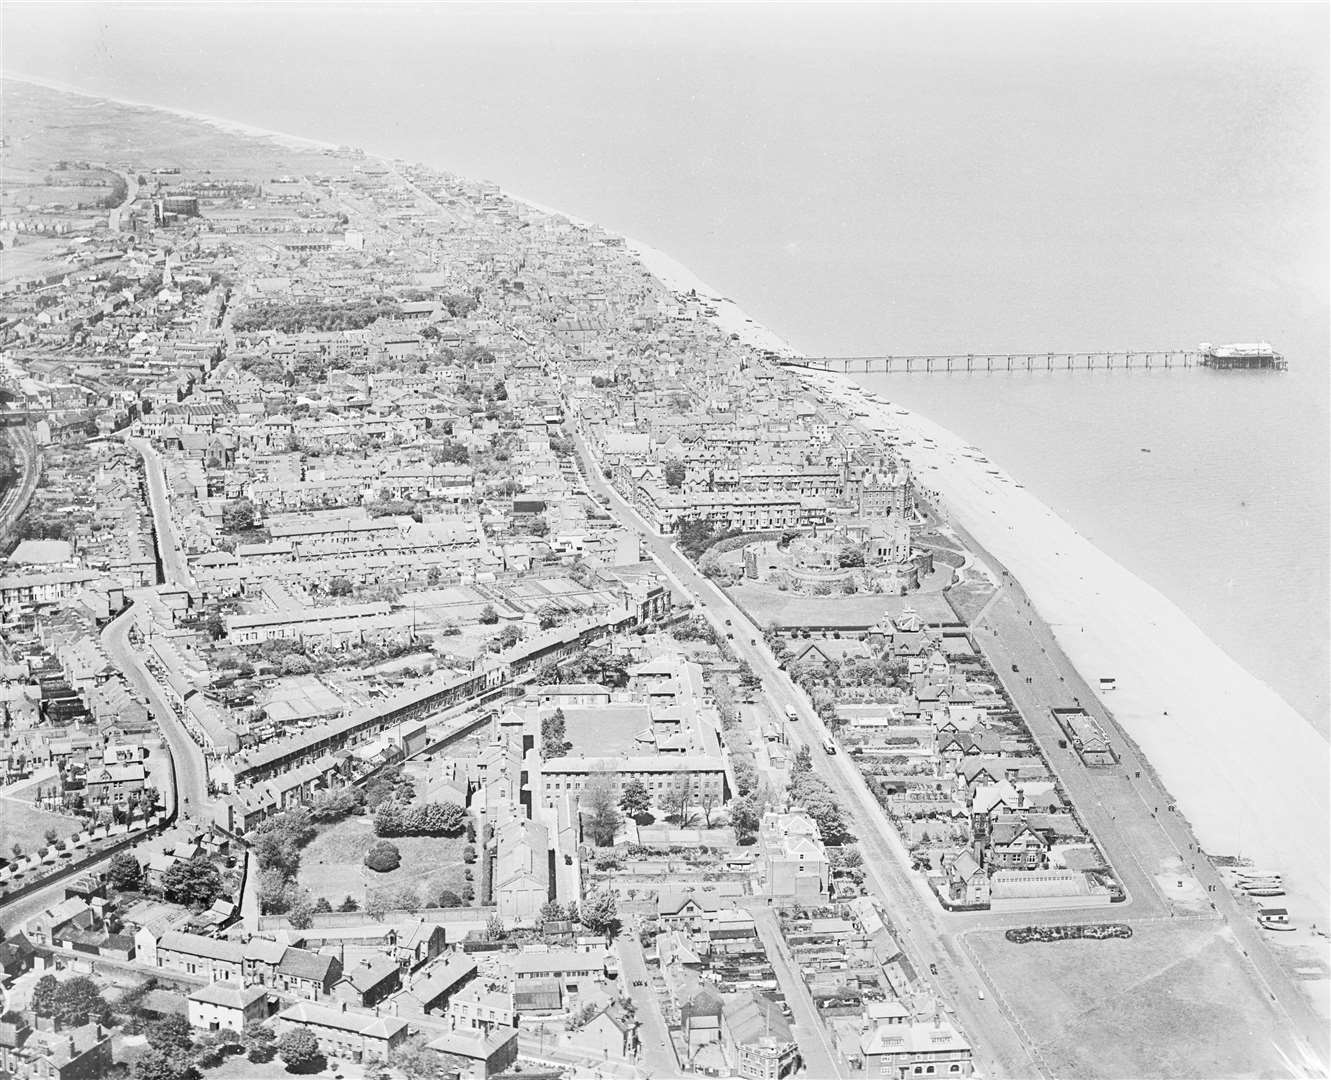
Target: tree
point(382, 857)
point(194, 882)
point(549, 616)
point(538, 526)
point(123, 872)
point(746, 814)
point(849, 557)
point(674, 474)
point(598, 803)
point(636, 800)
point(216, 627)
point(600, 915)
point(436, 819)
point(449, 899)
point(301, 915)
point(276, 893)
point(339, 586)
point(494, 929)
point(323, 905)
point(164, 1064)
point(377, 906)
point(44, 995)
point(747, 677)
point(78, 1002)
point(390, 819)
point(275, 849)
point(260, 1041)
point(349, 904)
point(300, 1050)
point(238, 515)
point(488, 615)
point(677, 804)
point(170, 1032)
point(746, 776)
point(551, 911)
point(803, 761)
point(708, 800)
point(554, 741)
point(417, 1062)
point(506, 638)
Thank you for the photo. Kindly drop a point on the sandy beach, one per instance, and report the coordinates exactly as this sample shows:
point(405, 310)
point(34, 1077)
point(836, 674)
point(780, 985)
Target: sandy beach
point(1249, 773)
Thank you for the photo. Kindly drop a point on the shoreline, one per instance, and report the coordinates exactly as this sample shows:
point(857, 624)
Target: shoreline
point(1247, 769)
point(233, 127)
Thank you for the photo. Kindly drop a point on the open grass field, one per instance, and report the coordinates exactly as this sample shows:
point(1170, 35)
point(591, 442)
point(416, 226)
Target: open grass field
point(1174, 1000)
point(332, 864)
point(968, 599)
point(21, 823)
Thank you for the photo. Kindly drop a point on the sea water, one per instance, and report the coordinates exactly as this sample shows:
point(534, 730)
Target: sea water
point(1212, 486)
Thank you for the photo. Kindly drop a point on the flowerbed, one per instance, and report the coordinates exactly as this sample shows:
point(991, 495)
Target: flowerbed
point(1095, 931)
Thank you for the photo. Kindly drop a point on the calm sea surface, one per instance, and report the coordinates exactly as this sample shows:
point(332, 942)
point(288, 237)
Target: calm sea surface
point(896, 179)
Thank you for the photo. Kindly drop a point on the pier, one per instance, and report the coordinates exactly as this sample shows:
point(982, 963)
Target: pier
point(1048, 361)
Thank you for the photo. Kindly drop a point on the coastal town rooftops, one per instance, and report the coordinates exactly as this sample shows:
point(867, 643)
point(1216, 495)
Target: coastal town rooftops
point(198, 945)
point(354, 1022)
point(229, 994)
point(923, 1036)
point(474, 1043)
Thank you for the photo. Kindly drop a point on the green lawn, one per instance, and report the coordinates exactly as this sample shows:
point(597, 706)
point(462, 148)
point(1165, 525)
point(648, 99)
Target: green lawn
point(22, 823)
point(968, 600)
point(332, 865)
point(1174, 1000)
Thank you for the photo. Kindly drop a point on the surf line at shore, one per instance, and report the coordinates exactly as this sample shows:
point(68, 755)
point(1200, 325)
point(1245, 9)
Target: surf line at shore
point(1247, 770)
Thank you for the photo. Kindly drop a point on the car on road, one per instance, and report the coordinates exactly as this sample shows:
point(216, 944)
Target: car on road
point(727, 622)
point(933, 969)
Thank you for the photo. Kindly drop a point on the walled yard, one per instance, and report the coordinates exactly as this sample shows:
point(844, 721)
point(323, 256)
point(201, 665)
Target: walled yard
point(768, 606)
point(333, 864)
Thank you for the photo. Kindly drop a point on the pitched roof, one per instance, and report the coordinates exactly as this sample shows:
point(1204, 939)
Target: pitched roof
point(303, 964)
point(229, 994)
point(198, 945)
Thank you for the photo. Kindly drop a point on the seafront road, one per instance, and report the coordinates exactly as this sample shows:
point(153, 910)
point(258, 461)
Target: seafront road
point(1115, 809)
point(1126, 807)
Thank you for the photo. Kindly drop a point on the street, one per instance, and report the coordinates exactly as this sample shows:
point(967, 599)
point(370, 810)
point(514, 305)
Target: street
point(815, 1042)
point(190, 770)
point(656, 1053)
point(999, 1050)
point(174, 568)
